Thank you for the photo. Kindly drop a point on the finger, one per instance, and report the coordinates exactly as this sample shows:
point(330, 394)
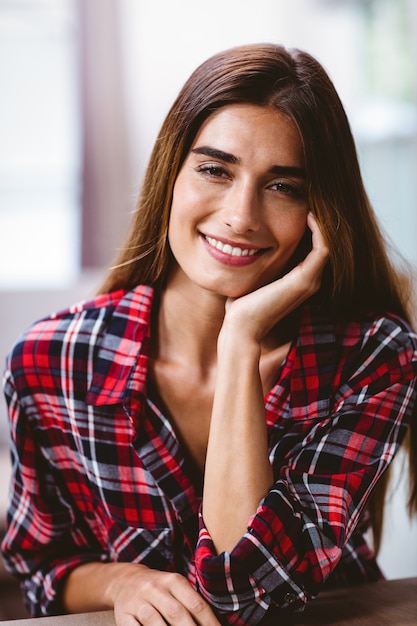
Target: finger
point(164, 607)
point(317, 236)
point(200, 610)
point(144, 613)
point(148, 615)
point(126, 620)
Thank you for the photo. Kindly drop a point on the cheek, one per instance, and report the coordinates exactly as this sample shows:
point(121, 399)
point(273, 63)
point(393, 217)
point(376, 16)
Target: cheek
point(183, 217)
point(185, 202)
point(291, 229)
point(294, 241)
point(297, 250)
point(178, 210)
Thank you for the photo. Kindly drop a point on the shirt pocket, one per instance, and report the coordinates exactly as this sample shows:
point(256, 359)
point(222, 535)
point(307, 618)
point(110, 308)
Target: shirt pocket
point(138, 506)
point(151, 547)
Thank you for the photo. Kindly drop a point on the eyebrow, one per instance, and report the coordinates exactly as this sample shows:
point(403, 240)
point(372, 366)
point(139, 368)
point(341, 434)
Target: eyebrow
point(216, 154)
point(227, 157)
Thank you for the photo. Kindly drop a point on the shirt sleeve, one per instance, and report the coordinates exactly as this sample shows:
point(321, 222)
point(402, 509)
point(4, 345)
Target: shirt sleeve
point(44, 541)
point(323, 480)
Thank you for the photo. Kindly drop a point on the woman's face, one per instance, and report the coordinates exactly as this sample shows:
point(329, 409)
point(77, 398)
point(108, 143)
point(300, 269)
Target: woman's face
point(239, 205)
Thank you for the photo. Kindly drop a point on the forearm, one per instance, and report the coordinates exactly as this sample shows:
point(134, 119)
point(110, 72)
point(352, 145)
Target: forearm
point(91, 586)
point(238, 473)
point(97, 586)
point(85, 589)
point(137, 594)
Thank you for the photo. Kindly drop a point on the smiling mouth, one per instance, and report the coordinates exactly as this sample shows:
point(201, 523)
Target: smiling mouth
point(226, 248)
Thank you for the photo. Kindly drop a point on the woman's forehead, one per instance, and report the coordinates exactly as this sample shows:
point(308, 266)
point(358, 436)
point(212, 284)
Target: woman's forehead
point(252, 131)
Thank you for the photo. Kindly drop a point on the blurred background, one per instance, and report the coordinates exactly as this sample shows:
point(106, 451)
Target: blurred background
point(85, 85)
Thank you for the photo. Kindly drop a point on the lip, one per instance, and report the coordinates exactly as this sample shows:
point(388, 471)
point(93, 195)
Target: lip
point(231, 252)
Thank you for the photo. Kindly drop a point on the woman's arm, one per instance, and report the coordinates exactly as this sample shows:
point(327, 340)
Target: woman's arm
point(346, 403)
point(237, 472)
point(61, 566)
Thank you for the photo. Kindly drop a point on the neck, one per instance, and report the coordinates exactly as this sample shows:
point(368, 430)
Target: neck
point(187, 323)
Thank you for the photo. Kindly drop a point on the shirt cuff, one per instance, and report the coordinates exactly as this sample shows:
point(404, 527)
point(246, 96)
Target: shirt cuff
point(249, 578)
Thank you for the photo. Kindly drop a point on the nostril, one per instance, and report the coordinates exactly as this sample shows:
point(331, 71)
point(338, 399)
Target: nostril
point(242, 224)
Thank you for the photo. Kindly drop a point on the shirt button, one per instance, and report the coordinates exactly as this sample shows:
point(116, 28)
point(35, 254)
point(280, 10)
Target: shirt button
point(290, 598)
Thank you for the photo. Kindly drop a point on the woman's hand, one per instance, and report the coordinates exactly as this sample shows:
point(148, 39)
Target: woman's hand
point(138, 594)
point(256, 313)
point(157, 598)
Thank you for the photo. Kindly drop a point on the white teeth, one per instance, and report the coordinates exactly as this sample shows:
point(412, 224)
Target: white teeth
point(228, 249)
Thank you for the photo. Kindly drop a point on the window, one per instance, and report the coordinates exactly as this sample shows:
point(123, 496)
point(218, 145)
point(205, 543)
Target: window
point(40, 143)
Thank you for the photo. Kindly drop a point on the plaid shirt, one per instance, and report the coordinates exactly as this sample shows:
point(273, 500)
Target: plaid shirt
point(99, 474)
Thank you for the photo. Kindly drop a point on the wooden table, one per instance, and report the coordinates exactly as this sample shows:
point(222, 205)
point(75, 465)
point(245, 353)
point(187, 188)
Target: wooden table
point(387, 603)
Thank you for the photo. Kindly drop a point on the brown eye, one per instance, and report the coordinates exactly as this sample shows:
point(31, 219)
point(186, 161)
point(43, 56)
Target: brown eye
point(288, 189)
point(212, 170)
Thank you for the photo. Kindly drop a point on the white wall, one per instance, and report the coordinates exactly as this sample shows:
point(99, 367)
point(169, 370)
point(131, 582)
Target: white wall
point(164, 41)
point(20, 308)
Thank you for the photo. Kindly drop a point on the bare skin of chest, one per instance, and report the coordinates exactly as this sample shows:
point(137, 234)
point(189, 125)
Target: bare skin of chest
point(188, 404)
point(187, 400)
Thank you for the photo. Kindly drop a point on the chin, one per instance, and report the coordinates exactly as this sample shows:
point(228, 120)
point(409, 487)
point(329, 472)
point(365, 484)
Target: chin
point(233, 287)
point(234, 291)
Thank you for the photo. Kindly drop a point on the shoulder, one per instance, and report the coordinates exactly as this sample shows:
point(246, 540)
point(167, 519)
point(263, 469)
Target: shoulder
point(74, 332)
point(81, 315)
point(374, 334)
point(386, 329)
point(371, 343)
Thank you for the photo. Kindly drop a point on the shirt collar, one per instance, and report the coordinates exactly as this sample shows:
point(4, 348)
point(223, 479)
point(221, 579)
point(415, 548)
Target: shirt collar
point(121, 361)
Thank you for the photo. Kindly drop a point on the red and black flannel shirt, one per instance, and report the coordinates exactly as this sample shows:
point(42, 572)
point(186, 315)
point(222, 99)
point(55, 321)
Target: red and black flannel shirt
point(99, 473)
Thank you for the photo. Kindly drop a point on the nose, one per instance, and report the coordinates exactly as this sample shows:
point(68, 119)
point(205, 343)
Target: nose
point(241, 211)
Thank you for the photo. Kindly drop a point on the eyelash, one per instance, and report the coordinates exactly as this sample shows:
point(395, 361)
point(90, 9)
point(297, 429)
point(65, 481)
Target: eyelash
point(286, 188)
point(216, 171)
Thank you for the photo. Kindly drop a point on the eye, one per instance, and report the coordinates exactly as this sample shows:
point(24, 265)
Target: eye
point(288, 188)
point(212, 170)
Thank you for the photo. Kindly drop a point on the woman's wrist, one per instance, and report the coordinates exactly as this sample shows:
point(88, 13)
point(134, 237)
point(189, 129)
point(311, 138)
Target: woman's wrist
point(117, 577)
point(234, 340)
point(95, 586)
point(85, 588)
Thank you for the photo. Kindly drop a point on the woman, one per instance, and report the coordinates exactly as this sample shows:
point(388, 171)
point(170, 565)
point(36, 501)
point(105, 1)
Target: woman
point(200, 442)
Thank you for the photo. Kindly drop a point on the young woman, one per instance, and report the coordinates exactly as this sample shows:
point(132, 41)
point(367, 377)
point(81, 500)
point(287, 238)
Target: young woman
point(200, 442)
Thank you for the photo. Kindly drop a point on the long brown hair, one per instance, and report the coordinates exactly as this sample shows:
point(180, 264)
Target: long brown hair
point(361, 276)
